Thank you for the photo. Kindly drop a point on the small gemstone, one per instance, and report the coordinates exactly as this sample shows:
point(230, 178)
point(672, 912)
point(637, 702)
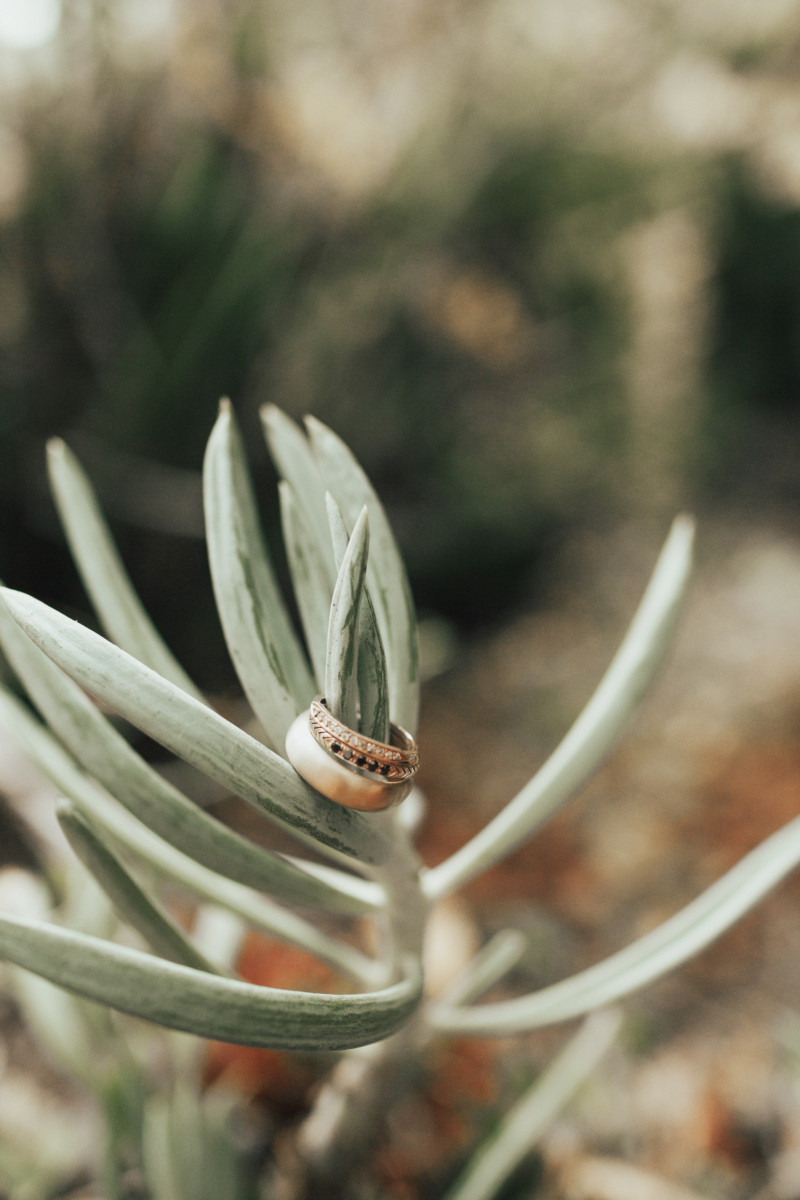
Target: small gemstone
point(336, 748)
point(372, 766)
point(360, 760)
point(347, 752)
point(385, 769)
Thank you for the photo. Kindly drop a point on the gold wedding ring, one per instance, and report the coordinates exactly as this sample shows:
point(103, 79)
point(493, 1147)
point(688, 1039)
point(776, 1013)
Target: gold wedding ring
point(347, 766)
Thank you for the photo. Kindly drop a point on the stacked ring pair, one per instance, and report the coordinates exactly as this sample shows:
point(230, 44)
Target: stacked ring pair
point(347, 766)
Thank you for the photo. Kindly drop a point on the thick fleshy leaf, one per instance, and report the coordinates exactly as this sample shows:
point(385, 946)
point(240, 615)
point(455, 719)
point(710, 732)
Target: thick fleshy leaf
point(131, 902)
point(100, 567)
point(373, 688)
point(312, 579)
point(312, 526)
point(341, 663)
point(596, 729)
point(263, 645)
point(533, 1114)
point(296, 464)
point(386, 575)
point(200, 736)
point(372, 679)
point(122, 828)
point(160, 806)
point(648, 958)
point(208, 1005)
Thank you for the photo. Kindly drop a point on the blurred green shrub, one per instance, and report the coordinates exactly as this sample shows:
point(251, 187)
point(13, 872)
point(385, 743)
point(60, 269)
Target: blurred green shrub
point(475, 315)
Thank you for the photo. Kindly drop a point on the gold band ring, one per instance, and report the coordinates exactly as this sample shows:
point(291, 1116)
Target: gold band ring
point(347, 766)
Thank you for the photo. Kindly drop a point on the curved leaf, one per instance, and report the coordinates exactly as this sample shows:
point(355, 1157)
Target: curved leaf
point(199, 735)
point(100, 567)
point(386, 574)
point(131, 902)
point(121, 827)
point(341, 663)
point(373, 687)
point(596, 729)
point(648, 958)
point(263, 645)
point(208, 1005)
point(296, 464)
point(312, 579)
point(533, 1114)
point(159, 805)
point(494, 960)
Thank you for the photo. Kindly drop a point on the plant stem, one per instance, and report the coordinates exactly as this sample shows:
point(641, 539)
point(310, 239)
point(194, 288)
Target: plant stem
point(348, 1115)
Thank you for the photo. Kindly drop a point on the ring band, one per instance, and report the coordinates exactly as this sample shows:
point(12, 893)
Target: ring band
point(395, 762)
point(349, 767)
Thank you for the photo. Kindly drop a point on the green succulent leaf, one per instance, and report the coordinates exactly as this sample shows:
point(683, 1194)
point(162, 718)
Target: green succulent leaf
point(533, 1114)
point(341, 664)
point(207, 1005)
point(386, 574)
point(494, 960)
point(596, 729)
point(296, 464)
point(312, 579)
point(131, 902)
point(120, 827)
point(268, 657)
point(651, 956)
point(200, 736)
point(104, 577)
point(316, 526)
point(160, 806)
point(373, 688)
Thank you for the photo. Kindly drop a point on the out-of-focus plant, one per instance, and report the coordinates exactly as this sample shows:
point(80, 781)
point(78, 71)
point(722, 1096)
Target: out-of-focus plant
point(221, 204)
point(144, 841)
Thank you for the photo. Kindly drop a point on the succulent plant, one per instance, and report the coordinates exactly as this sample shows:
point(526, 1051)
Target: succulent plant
point(142, 838)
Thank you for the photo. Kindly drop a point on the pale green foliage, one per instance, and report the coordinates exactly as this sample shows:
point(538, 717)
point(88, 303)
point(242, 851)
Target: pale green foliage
point(137, 833)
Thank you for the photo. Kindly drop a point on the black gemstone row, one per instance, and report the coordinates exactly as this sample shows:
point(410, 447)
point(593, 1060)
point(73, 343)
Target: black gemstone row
point(360, 760)
point(394, 763)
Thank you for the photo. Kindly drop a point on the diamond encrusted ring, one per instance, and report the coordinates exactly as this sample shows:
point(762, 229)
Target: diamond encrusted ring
point(347, 766)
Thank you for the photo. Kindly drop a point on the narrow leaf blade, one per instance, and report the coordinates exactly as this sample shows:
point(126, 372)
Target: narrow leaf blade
point(651, 956)
point(373, 688)
point(132, 904)
point(533, 1114)
point(387, 579)
point(312, 579)
point(122, 828)
point(199, 735)
point(494, 960)
point(207, 1005)
point(159, 805)
point(296, 464)
point(341, 663)
point(263, 645)
point(104, 577)
point(596, 729)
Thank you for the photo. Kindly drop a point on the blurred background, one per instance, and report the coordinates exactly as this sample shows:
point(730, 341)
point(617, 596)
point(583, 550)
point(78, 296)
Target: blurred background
point(538, 262)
